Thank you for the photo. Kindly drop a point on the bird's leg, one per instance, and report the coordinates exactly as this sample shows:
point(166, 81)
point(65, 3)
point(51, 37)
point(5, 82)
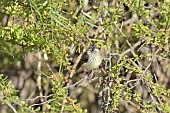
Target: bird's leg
point(91, 74)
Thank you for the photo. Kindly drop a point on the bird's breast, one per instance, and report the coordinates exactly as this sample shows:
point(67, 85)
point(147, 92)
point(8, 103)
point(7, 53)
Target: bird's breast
point(93, 63)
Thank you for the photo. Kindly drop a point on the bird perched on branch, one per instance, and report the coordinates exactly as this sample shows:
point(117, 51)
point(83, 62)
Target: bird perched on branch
point(91, 59)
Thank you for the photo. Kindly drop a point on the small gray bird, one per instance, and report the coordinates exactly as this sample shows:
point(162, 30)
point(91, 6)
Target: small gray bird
point(91, 59)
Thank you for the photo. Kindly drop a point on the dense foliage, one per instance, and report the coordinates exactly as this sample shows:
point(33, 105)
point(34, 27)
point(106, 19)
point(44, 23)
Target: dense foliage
point(36, 49)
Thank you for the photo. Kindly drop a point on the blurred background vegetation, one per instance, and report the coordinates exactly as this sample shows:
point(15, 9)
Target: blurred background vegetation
point(39, 39)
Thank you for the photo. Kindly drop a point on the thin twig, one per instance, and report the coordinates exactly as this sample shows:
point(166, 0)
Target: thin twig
point(39, 97)
point(63, 105)
point(133, 47)
point(17, 103)
point(73, 85)
point(42, 103)
point(13, 109)
point(76, 63)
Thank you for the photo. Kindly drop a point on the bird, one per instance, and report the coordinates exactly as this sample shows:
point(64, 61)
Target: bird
point(86, 62)
point(91, 59)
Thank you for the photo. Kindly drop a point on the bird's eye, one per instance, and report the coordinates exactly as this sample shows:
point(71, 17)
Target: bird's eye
point(90, 50)
point(93, 49)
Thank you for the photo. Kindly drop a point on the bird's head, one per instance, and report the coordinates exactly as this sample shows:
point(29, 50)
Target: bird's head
point(92, 49)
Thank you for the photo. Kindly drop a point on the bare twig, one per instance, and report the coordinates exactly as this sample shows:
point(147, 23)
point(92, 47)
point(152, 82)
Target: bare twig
point(42, 103)
point(39, 75)
point(133, 47)
point(73, 85)
point(63, 105)
point(132, 51)
point(76, 63)
point(120, 31)
point(91, 80)
point(17, 103)
point(40, 97)
point(13, 109)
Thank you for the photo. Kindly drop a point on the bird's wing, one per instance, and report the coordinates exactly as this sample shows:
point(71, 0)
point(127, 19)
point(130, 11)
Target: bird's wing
point(84, 59)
